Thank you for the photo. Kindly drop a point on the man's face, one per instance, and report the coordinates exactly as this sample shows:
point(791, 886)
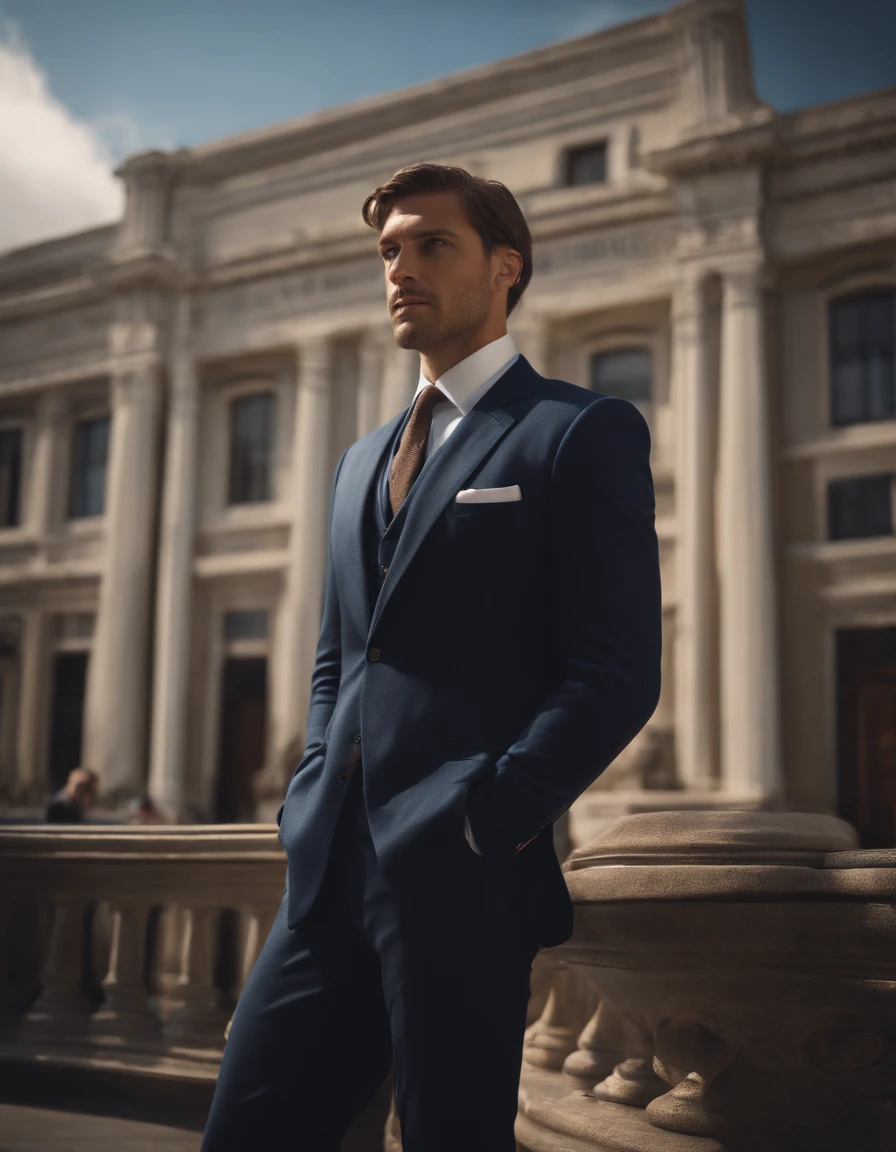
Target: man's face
point(439, 281)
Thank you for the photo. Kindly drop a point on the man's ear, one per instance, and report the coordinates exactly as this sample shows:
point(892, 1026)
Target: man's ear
point(510, 267)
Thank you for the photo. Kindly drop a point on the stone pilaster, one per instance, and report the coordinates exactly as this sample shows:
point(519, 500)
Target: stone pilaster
point(170, 698)
point(115, 707)
point(370, 380)
point(298, 625)
point(30, 785)
point(45, 479)
point(401, 370)
point(695, 672)
point(749, 659)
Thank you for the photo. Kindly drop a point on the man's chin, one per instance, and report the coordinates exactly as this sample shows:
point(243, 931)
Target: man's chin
point(413, 337)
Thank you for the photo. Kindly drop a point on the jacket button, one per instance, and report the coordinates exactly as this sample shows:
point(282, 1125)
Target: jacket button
point(374, 654)
point(343, 776)
point(357, 739)
point(384, 568)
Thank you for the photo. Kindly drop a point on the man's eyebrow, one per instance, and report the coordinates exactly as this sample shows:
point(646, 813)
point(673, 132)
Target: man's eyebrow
point(422, 234)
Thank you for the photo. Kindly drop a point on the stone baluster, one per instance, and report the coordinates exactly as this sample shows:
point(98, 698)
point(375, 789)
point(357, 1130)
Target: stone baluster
point(62, 1010)
point(553, 1037)
point(198, 1022)
point(259, 919)
point(126, 1015)
point(634, 1080)
point(600, 1047)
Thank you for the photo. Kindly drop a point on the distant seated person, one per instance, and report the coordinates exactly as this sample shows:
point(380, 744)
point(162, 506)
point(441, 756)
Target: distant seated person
point(142, 810)
point(70, 803)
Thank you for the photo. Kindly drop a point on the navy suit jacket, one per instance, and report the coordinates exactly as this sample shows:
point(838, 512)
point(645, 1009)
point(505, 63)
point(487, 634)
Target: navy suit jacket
point(509, 655)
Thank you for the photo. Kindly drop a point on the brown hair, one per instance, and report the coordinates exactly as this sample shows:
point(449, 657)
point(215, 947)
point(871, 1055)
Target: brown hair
point(490, 207)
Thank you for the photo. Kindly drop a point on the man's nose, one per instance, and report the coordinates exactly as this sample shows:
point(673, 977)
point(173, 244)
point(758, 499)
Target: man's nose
point(402, 271)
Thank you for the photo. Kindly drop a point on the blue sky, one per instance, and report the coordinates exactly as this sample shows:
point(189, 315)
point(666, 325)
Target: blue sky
point(84, 82)
point(186, 71)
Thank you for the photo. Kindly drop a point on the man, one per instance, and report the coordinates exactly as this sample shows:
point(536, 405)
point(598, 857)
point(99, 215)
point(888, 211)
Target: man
point(70, 803)
point(490, 641)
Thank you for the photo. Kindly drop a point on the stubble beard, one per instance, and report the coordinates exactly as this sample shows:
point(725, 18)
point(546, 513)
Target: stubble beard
point(434, 330)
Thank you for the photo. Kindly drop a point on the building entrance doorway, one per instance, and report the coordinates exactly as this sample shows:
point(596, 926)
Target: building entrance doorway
point(242, 736)
point(67, 715)
point(866, 688)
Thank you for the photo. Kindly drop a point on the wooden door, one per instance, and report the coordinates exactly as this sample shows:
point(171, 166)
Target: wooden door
point(866, 673)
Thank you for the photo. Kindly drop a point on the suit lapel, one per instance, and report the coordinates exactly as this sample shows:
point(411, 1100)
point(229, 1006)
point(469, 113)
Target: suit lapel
point(445, 471)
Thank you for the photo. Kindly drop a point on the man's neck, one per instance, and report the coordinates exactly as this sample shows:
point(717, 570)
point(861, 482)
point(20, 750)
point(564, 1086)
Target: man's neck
point(435, 362)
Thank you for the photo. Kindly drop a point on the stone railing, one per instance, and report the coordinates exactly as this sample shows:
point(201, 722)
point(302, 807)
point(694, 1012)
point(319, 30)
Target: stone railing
point(730, 987)
point(130, 942)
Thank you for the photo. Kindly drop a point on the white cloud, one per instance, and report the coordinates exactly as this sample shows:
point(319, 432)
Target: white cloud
point(55, 170)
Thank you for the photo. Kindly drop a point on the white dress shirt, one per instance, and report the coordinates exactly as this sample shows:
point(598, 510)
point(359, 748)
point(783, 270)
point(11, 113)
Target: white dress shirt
point(464, 386)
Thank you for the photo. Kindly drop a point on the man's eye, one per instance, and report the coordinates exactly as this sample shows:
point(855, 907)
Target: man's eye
point(436, 240)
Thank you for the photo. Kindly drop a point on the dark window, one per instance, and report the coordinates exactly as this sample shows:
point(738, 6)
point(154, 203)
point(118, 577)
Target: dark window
point(587, 165)
point(251, 448)
point(246, 624)
point(860, 506)
point(89, 467)
point(862, 343)
point(10, 476)
point(624, 372)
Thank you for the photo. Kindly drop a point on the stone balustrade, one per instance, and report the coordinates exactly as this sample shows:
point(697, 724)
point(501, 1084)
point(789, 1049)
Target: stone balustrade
point(130, 942)
point(730, 987)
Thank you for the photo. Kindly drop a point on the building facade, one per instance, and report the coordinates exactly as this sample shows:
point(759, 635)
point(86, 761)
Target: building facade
point(175, 391)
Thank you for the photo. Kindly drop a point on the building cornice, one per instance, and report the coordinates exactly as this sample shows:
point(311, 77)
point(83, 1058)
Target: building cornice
point(602, 52)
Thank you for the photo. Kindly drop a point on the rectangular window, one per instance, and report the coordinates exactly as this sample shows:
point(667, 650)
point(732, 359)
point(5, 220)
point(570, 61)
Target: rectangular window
point(860, 507)
point(251, 448)
point(246, 624)
point(587, 165)
point(862, 354)
point(89, 459)
point(10, 476)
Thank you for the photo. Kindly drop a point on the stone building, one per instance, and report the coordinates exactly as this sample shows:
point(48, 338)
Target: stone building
point(175, 391)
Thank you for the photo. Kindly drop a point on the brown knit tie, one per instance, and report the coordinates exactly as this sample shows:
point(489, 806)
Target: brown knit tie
point(411, 454)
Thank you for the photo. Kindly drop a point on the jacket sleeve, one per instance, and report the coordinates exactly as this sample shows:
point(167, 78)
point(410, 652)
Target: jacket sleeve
point(606, 612)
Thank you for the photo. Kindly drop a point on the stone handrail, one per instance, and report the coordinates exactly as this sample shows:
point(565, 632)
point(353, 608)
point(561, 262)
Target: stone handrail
point(730, 986)
point(110, 936)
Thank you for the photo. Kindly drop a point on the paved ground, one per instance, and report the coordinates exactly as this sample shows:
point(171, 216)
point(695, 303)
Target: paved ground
point(45, 1130)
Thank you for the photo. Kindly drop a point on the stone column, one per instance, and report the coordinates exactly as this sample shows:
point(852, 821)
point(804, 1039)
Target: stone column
point(45, 478)
point(695, 693)
point(749, 659)
point(115, 707)
point(370, 380)
point(299, 616)
point(31, 784)
point(401, 370)
point(170, 698)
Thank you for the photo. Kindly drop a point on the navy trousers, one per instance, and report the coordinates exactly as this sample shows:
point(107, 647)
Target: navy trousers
point(430, 980)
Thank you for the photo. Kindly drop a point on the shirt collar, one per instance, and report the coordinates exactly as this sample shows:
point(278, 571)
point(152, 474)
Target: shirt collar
point(468, 381)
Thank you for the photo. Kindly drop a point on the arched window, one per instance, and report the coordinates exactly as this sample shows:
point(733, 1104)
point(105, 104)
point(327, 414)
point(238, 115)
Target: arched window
point(862, 353)
point(627, 373)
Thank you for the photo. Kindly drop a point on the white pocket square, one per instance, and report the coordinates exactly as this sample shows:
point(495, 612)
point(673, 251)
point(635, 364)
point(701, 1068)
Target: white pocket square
point(488, 495)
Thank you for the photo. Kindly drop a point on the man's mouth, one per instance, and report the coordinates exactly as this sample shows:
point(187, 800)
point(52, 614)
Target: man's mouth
point(407, 305)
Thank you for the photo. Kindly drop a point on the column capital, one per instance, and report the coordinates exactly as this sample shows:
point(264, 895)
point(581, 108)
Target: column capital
point(743, 284)
point(52, 405)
